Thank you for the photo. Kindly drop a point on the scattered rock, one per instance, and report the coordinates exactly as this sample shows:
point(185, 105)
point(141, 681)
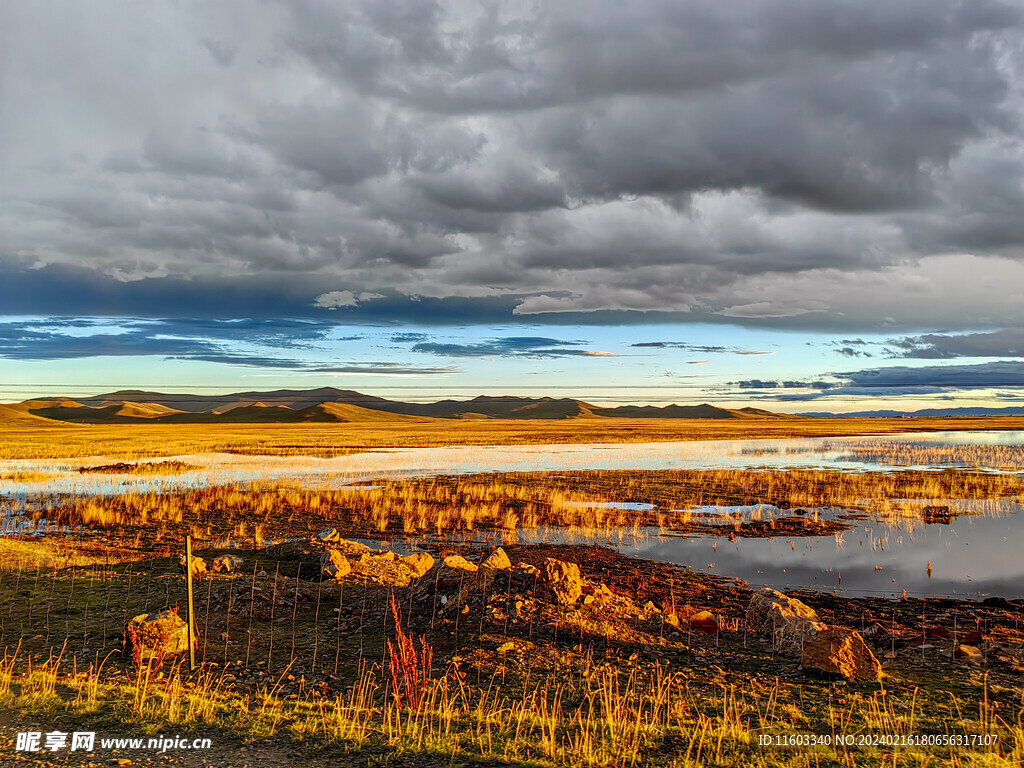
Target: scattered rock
point(704, 621)
point(459, 563)
point(419, 563)
point(599, 593)
point(226, 564)
point(562, 581)
point(497, 561)
point(877, 634)
point(999, 602)
point(334, 564)
point(156, 636)
point(384, 568)
point(506, 648)
point(198, 566)
point(968, 653)
point(447, 579)
point(788, 622)
point(531, 570)
point(353, 549)
point(329, 534)
point(841, 651)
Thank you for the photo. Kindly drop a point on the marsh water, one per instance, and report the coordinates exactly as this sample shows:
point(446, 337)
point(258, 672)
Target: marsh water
point(976, 555)
point(987, 451)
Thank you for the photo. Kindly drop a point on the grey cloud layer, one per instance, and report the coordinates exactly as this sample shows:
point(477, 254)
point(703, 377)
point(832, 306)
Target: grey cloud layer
point(251, 343)
point(510, 346)
point(745, 162)
point(1008, 342)
point(894, 380)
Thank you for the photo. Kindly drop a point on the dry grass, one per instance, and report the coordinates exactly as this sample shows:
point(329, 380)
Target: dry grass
point(23, 440)
point(46, 553)
point(600, 717)
point(513, 501)
point(139, 468)
point(562, 697)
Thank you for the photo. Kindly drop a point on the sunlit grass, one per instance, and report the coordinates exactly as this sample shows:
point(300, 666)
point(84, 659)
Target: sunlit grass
point(598, 501)
point(600, 716)
point(130, 441)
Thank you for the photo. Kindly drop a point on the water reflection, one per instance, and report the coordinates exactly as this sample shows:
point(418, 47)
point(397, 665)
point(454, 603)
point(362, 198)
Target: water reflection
point(971, 556)
point(987, 451)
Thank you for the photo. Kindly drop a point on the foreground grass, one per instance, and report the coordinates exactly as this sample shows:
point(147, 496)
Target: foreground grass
point(601, 716)
point(40, 439)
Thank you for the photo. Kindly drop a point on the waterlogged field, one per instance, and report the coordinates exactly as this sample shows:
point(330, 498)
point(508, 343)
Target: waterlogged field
point(616, 632)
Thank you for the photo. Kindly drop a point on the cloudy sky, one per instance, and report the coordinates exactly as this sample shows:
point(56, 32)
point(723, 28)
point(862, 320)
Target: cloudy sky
point(792, 204)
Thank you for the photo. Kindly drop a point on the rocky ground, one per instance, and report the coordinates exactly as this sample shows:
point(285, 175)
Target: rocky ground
point(305, 617)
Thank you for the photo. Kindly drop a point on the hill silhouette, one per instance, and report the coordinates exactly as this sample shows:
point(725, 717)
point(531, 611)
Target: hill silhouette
point(330, 405)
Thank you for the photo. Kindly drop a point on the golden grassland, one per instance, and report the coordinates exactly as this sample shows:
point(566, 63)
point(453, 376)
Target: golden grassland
point(598, 717)
point(38, 438)
point(576, 689)
point(567, 693)
point(56, 552)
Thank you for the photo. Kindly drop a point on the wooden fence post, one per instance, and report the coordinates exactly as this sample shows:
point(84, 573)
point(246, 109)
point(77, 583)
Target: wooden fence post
point(191, 608)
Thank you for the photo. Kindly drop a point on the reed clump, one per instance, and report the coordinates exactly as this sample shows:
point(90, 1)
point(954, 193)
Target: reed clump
point(599, 501)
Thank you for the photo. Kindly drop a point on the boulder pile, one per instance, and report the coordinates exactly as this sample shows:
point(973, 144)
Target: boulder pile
point(343, 559)
point(794, 629)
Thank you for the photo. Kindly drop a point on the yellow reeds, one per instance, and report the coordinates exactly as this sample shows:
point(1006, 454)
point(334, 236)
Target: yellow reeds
point(597, 501)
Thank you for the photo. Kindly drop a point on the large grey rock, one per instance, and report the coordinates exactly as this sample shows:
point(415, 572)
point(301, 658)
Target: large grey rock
point(384, 568)
point(226, 564)
point(561, 581)
point(198, 566)
point(419, 563)
point(328, 534)
point(497, 561)
point(156, 636)
point(785, 621)
point(459, 563)
point(841, 651)
point(335, 565)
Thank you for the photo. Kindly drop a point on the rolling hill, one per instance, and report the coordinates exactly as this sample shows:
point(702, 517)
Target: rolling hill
point(330, 405)
point(15, 416)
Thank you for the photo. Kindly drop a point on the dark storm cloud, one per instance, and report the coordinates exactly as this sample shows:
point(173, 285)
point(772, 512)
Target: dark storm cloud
point(896, 381)
point(851, 352)
point(1008, 342)
point(932, 381)
point(933, 393)
point(761, 384)
point(1000, 374)
point(592, 49)
point(186, 339)
point(793, 164)
point(511, 346)
point(370, 368)
point(60, 289)
point(48, 341)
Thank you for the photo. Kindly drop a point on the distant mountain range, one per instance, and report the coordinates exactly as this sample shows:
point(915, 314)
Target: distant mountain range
point(328, 404)
point(927, 413)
